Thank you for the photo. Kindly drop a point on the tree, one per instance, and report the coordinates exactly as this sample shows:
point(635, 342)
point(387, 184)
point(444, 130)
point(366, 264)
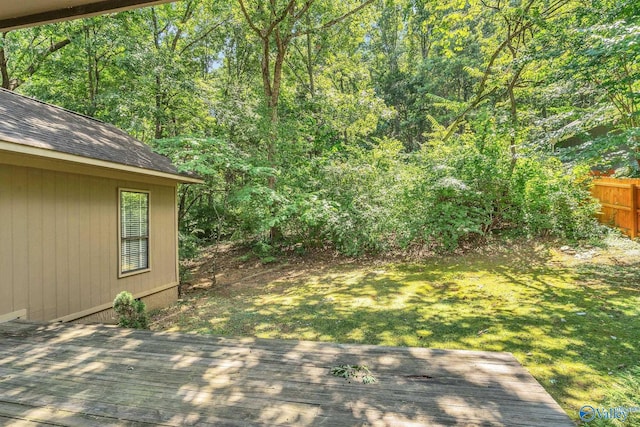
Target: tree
point(23, 52)
point(276, 24)
point(588, 82)
point(423, 51)
point(181, 36)
point(515, 24)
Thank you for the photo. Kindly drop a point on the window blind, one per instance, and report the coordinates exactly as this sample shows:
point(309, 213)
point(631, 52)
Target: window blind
point(134, 231)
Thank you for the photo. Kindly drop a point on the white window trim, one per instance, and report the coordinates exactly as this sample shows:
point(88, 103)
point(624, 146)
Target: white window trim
point(122, 274)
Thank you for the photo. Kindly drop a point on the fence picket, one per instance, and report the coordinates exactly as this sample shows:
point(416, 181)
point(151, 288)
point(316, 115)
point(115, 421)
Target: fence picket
point(619, 200)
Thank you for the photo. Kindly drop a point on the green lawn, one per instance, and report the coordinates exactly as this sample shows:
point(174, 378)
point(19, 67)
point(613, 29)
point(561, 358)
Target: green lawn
point(570, 319)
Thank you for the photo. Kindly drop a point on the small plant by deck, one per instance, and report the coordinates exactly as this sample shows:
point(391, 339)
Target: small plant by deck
point(131, 312)
point(359, 372)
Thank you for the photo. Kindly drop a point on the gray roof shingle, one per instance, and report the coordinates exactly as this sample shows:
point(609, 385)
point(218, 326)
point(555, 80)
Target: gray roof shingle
point(34, 123)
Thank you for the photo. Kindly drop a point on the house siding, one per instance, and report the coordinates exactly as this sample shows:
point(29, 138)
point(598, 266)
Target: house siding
point(59, 241)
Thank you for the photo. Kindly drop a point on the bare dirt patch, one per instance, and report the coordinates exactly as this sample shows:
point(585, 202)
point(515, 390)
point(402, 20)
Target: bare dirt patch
point(229, 265)
point(234, 266)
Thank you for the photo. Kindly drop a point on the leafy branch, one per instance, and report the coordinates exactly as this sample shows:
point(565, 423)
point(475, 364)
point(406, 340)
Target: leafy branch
point(360, 372)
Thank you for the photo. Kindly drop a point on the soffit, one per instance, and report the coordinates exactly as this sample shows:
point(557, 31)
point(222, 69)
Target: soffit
point(26, 13)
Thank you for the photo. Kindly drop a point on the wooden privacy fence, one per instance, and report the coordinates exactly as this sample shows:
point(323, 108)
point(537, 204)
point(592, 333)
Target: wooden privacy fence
point(620, 199)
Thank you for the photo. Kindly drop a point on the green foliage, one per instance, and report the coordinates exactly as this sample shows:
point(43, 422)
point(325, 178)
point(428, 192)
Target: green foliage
point(265, 252)
point(360, 372)
point(189, 245)
point(357, 206)
point(623, 393)
point(592, 80)
point(619, 149)
point(460, 190)
point(131, 312)
point(547, 200)
point(380, 198)
point(471, 189)
point(606, 55)
point(377, 199)
point(234, 202)
point(405, 123)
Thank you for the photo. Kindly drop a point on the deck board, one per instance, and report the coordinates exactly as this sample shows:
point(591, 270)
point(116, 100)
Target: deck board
point(62, 374)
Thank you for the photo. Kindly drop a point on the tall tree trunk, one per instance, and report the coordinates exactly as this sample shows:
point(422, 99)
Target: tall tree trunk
point(4, 71)
point(92, 82)
point(312, 89)
point(158, 116)
point(513, 111)
point(273, 96)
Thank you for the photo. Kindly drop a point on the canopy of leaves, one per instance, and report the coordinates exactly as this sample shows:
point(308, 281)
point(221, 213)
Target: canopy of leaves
point(395, 124)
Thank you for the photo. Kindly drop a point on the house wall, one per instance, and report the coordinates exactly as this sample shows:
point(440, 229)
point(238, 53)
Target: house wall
point(59, 241)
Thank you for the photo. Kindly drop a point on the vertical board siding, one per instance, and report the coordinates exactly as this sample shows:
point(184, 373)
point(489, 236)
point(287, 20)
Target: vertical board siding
point(84, 243)
point(59, 241)
point(6, 236)
point(93, 245)
point(162, 239)
point(620, 200)
point(112, 213)
point(19, 271)
point(73, 279)
point(34, 214)
point(50, 234)
point(61, 252)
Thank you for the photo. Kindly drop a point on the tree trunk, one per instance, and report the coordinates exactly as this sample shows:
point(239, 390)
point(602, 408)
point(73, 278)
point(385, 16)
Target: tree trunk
point(312, 89)
point(159, 128)
point(91, 72)
point(273, 96)
point(4, 71)
point(513, 110)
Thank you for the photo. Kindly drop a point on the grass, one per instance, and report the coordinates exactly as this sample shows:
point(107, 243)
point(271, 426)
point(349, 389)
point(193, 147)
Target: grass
point(573, 323)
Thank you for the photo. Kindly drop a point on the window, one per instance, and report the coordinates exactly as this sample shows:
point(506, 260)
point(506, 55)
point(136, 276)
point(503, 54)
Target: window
point(134, 231)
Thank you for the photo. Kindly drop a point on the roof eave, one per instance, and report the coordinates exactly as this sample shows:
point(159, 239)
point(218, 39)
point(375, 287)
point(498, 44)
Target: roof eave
point(58, 12)
point(13, 147)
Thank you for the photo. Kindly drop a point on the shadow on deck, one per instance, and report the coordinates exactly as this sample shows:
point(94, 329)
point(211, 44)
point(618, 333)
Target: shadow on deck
point(85, 375)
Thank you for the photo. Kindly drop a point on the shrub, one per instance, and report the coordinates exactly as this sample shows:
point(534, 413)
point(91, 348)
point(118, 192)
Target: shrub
point(359, 204)
point(373, 196)
point(188, 245)
point(131, 312)
point(381, 198)
point(547, 200)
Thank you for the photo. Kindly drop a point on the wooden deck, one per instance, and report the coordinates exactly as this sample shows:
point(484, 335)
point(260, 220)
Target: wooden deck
point(79, 375)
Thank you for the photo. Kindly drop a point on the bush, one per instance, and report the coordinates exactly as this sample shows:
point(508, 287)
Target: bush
point(359, 200)
point(547, 200)
point(374, 197)
point(456, 196)
point(188, 245)
point(380, 198)
point(131, 312)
